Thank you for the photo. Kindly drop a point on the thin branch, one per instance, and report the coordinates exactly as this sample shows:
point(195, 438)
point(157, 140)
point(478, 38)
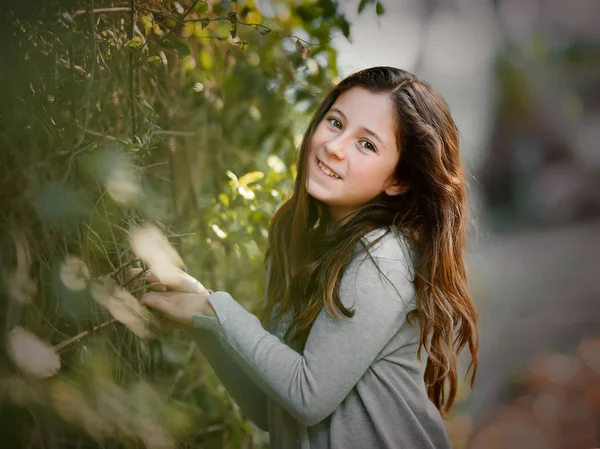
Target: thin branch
point(146, 287)
point(81, 12)
point(132, 72)
point(157, 164)
point(190, 8)
point(255, 26)
point(166, 132)
point(79, 336)
point(185, 234)
point(89, 86)
point(97, 134)
point(118, 270)
point(163, 12)
point(211, 429)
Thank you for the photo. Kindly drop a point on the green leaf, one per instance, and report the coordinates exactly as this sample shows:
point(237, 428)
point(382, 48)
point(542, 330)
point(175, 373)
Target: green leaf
point(362, 5)
point(154, 58)
point(251, 177)
point(379, 9)
point(68, 17)
point(144, 102)
point(206, 60)
point(345, 27)
point(204, 22)
point(301, 49)
point(201, 7)
point(224, 199)
point(264, 30)
point(181, 47)
point(135, 42)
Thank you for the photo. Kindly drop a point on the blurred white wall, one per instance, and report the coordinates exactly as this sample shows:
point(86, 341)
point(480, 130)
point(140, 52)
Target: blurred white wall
point(452, 49)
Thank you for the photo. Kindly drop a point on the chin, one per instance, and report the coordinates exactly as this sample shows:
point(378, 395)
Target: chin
point(317, 192)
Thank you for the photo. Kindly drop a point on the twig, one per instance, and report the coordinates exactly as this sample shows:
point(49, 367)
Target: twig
point(81, 12)
point(210, 429)
point(72, 157)
point(158, 164)
point(163, 12)
point(185, 234)
point(71, 52)
point(79, 336)
point(255, 26)
point(145, 287)
point(97, 134)
point(89, 86)
point(166, 132)
point(190, 8)
point(134, 278)
point(122, 267)
point(132, 72)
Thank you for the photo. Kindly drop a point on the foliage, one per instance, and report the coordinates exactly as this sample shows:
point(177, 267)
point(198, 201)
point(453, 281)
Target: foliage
point(114, 114)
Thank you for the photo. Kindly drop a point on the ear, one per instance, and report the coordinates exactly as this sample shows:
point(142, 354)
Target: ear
point(396, 188)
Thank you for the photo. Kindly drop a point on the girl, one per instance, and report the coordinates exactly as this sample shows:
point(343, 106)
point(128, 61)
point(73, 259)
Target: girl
point(367, 302)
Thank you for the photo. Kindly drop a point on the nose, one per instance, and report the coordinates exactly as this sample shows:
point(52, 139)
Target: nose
point(336, 147)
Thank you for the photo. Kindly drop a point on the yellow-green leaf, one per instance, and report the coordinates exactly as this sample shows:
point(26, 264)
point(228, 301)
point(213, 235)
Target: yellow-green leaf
point(135, 42)
point(206, 60)
point(201, 7)
point(231, 176)
point(251, 177)
point(204, 22)
point(147, 22)
point(224, 199)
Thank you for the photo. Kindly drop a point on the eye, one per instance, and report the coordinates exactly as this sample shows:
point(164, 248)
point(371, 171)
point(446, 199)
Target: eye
point(368, 145)
point(333, 122)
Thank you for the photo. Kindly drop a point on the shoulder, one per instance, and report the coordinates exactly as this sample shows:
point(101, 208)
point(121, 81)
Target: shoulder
point(382, 266)
point(386, 256)
point(387, 243)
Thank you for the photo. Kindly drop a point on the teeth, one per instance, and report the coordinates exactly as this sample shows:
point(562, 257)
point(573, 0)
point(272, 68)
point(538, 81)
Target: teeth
point(327, 171)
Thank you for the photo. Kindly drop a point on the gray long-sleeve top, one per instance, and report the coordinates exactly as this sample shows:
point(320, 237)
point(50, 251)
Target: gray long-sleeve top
point(357, 382)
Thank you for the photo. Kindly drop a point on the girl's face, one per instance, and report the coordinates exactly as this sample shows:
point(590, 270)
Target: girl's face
point(353, 153)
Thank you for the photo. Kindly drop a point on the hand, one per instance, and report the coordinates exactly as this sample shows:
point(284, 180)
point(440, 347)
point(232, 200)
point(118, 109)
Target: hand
point(178, 307)
point(177, 280)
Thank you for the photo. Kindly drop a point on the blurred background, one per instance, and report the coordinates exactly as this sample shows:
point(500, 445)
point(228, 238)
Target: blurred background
point(118, 115)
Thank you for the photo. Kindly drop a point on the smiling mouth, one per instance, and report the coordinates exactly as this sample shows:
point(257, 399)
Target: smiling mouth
point(325, 169)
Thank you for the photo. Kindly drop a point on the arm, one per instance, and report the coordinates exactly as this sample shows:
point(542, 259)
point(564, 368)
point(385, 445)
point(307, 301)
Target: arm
point(338, 350)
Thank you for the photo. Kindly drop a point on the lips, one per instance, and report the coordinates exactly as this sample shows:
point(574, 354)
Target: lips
point(327, 170)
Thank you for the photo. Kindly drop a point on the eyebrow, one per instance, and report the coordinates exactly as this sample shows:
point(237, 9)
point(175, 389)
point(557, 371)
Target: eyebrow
point(367, 130)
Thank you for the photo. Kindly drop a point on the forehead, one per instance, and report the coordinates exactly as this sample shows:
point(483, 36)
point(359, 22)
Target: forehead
point(374, 111)
point(362, 105)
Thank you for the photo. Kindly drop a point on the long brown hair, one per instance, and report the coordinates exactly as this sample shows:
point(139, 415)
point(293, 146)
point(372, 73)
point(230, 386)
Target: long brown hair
point(307, 262)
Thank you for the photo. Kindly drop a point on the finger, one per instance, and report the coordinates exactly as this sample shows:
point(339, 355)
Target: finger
point(154, 301)
point(152, 278)
point(154, 282)
point(159, 302)
point(158, 287)
point(190, 284)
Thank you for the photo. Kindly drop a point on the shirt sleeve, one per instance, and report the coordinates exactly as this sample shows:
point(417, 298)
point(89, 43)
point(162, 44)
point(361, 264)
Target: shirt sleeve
point(338, 351)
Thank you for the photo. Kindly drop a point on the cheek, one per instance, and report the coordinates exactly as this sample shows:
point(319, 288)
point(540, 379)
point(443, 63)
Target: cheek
point(319, 136)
